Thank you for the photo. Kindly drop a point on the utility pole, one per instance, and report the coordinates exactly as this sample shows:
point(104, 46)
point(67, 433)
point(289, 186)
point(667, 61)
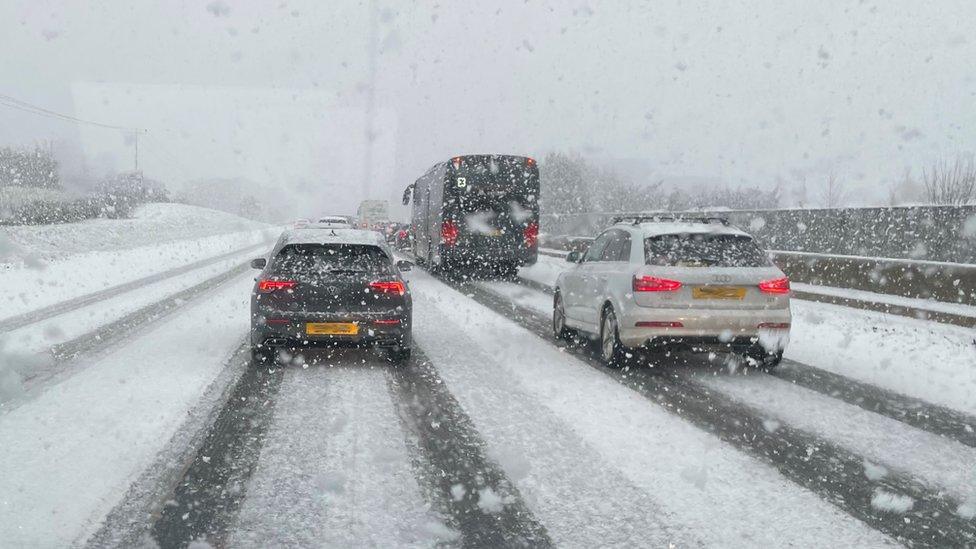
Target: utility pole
point(370, 101)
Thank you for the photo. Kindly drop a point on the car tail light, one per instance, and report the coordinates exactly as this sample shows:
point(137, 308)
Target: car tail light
point(268, 286)
point(775, 286)
point(530, 161)
point(449, 233)
point(276, 321)
point(659, 324)
point(655, 284)
point(402, 234)
point(388, 287)
point(775, 325)
point(531, 235)
point(387, 321)
point(456, 161)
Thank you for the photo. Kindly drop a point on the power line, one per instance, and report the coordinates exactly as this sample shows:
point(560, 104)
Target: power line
point(24, 106)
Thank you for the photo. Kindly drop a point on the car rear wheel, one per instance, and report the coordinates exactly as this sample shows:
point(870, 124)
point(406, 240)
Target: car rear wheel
point(559, 329)
point(261, 355)
point(763, 360)
point(611, 350)
point(399, 354)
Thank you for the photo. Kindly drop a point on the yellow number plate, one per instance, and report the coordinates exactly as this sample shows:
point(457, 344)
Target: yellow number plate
point(718, 292)
point(331, 328)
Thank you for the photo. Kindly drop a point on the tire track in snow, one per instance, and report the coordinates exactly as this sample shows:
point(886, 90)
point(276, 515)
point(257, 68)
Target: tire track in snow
point(207, 497)
point(21, 320)
point(49, 368)
point(482, 502)
point(129, 523)
point(832, 472)
point(916, 412)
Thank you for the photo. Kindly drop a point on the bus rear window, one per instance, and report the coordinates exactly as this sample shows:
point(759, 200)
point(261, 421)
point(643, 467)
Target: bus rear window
point(704, 250)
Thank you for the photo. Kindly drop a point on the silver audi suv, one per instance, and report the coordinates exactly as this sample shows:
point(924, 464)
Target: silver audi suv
point(655, 282)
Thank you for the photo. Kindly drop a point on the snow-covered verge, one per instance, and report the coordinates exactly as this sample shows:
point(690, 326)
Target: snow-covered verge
point(82, 442)
point(932, 361)
point(101, 254)
point(154, 223)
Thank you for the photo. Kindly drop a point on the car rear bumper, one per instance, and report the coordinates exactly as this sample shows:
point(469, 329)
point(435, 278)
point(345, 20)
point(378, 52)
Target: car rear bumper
point(290, 330)
point(705, 327)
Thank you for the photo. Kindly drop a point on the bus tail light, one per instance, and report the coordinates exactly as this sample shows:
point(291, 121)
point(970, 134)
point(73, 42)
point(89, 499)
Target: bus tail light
point(449, 233)
point(531, 235)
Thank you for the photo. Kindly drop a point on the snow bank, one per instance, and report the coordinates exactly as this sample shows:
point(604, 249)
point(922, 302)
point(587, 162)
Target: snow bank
point(51, 264)
point(924, 359)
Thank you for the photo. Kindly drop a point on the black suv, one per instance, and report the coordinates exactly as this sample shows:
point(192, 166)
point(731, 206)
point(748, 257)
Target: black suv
point(326, 287)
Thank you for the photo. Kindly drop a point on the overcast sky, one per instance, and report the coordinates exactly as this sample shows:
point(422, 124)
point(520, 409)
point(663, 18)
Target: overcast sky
point(746, 92)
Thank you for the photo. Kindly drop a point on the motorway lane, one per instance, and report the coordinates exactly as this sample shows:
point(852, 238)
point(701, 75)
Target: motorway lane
point(453, 426)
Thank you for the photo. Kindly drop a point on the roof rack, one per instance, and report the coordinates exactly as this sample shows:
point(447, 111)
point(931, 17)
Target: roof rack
point(637, 219)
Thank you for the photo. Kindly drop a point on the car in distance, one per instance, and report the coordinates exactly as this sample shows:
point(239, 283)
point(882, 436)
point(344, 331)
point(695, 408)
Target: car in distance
point(658, 282)
point(333, 222)
point(327, 287)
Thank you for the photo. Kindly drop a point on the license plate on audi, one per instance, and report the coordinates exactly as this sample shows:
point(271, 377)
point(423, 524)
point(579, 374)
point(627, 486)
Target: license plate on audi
point(718, 292)
point(331, 328)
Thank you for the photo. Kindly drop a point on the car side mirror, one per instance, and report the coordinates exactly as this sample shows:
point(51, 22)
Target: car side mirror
point(259, 263)
point(574, 257)
point(404, 265)
point(406, 194)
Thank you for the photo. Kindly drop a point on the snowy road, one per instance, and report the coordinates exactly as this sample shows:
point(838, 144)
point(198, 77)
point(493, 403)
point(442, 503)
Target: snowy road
point(493, 435)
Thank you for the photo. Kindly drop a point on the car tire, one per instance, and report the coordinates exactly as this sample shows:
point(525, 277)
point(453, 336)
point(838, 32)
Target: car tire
point(559, 329)
point(765, 361)
point(612, 351)
point(399, 354)
point(261, 356)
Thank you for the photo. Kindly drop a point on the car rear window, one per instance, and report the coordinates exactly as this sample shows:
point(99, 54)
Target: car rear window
point(704, 250)
point(336, 258)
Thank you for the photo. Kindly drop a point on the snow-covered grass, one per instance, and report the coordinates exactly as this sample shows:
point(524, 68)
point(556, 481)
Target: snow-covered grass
point(693, 480)
point(152, 224)
point(82, 442)
point(52, 264)
point(932, 361)
point(334, 470)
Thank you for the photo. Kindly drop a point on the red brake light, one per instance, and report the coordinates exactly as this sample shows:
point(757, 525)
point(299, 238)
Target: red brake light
point(402, 234)
point(388, 287)
point(775, 286)
point(387, 321)
point(268, 286)
point(449, 233)
point(530, 161)
point(655, 284)
point(531, 235)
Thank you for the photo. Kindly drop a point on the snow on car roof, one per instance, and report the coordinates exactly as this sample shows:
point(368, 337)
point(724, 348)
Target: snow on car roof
point(318, 235)
point(678, 227)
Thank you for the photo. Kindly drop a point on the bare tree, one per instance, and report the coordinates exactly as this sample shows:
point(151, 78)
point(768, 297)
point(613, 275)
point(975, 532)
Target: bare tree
point(951, 183)
point(833, 193)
